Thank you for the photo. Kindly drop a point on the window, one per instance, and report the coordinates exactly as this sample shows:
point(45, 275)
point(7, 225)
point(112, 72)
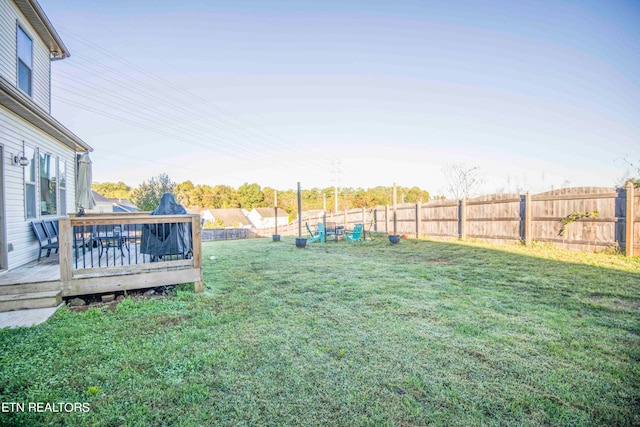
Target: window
point(30, 182)
point(48, 184)
point(45, 184)
point(25, 61)
point(63, 187)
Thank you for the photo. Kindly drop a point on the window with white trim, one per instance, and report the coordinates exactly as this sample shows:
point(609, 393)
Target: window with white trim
point(30, 174)
point(48, 184)
point(63, 187)
point(25, 61)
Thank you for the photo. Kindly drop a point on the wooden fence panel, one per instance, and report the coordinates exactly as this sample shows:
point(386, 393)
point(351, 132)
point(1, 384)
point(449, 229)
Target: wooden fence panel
point(440, 218)
point(381, 219)
point(405, 219)
point(551, 208)
point(496, 217)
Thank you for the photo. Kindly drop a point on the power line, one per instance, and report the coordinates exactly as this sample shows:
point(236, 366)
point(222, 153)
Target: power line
point(240, 130)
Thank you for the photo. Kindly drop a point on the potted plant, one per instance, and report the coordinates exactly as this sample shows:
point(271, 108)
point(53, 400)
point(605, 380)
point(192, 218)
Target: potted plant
point(301, 242)
point(276, 237)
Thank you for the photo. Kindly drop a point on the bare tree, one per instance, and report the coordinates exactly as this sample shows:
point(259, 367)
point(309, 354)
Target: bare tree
point(628, 175)
point(462, 181)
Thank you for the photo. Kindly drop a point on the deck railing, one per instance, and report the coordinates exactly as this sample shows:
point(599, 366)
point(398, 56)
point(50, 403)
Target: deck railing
point(105, 253)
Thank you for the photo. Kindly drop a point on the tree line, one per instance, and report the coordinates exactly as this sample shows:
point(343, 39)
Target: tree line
point(249, 196)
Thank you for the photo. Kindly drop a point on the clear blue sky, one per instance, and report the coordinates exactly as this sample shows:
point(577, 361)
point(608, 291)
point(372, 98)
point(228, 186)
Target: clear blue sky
point(537, 94)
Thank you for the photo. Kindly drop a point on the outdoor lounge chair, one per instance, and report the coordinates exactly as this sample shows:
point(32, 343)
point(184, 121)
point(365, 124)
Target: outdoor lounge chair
point(43, 239)
point(314, 237)
point(52, 232)
point(84, 236)
point(355, 235)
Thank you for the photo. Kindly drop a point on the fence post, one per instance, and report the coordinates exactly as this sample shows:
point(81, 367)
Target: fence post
point(346, 227)
point(528, 238)
point(386, 219)
point(419, 219)
point(463, 219)
point(364, 218)
point(628, 247)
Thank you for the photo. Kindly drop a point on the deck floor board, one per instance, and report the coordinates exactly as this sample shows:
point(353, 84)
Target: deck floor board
point(48, 268)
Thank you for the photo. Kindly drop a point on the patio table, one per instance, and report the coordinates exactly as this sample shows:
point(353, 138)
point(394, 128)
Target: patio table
point(113, 239)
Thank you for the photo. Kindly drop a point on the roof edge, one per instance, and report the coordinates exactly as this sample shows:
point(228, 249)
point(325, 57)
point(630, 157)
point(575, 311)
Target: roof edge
point(19, 104)
point(31, 9)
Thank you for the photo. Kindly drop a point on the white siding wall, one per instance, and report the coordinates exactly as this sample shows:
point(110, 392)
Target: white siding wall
point(13, 131)
point(41, 89)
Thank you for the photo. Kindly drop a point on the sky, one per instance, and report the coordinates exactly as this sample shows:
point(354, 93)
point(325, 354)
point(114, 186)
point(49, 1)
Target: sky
point(536, 94)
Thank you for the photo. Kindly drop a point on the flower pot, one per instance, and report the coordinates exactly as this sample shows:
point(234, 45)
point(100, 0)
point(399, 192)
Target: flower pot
point(394, 239)
point(301, 242)
point(276, 237)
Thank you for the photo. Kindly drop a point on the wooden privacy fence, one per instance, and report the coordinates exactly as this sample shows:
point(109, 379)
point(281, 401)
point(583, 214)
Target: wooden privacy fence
point(584, 218)
point(213, 234)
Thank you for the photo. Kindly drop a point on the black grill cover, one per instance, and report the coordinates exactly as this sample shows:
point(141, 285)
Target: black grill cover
point(169, 238)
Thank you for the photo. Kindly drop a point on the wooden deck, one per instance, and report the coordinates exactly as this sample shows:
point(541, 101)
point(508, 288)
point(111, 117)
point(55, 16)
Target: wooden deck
point(46, 270)
point(70, 272)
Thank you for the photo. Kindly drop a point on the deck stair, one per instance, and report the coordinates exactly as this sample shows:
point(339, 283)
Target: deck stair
point(24, 296)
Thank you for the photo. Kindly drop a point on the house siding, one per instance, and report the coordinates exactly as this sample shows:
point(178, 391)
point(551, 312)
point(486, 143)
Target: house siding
point(41, 87)
point(14, 133)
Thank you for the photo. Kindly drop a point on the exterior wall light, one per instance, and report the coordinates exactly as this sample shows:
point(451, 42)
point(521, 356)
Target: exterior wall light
point(20, 160)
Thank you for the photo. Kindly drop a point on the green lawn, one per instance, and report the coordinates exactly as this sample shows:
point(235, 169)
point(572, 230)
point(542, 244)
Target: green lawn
point(422, 333)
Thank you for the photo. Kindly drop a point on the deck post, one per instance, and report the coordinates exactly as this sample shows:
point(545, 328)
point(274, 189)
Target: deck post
point(197, 250)
point(65, 241)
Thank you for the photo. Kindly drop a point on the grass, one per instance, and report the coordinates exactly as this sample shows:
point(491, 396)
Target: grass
point(421, 333)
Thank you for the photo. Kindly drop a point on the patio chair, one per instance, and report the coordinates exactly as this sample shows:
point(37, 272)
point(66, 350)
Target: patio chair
point(84, 236)
point(314, 237)
point(329, 230)
point(52, 232)
point(324, 232)
point(43, 239)
point(355, 235)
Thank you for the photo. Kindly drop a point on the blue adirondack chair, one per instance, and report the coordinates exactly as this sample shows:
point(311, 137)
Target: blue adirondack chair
point(44, 240)
point(314, 237)
point(355, 235)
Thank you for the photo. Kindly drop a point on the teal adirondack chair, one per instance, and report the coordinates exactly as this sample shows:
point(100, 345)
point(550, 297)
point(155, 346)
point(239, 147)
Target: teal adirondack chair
point(322, 231)
point(355, 235)
point(314, 237)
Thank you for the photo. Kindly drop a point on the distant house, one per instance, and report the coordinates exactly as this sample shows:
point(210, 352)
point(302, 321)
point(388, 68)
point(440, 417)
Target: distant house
point(205, 215)
point(266, 217)
point(106, 205)
point(37, 153)
point(312, 215)
point(231, 218)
